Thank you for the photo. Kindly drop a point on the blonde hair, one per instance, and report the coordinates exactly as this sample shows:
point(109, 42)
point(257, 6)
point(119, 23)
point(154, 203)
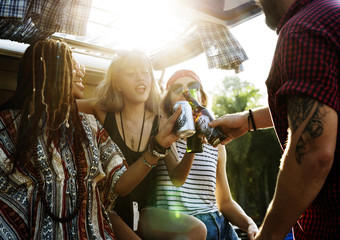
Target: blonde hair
point(107, 95)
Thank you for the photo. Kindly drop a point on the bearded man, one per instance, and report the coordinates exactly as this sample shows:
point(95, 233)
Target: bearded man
point(304, 105)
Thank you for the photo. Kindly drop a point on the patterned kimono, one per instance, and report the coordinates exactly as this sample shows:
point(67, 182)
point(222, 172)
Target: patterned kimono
point(22, 213)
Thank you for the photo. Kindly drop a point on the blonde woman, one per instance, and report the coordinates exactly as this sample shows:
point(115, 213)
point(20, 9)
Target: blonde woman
point(128, 105)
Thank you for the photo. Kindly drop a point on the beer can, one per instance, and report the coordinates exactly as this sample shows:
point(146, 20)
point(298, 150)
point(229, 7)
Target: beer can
point(185, 125)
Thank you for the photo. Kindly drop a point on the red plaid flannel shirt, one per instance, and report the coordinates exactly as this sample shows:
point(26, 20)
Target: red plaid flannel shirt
point(306, 63)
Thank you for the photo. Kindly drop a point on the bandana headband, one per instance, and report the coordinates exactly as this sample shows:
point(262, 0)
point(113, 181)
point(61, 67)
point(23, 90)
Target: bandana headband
point(182, 73)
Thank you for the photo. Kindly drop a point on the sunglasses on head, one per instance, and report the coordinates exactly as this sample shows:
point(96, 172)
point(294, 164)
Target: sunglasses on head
point(178, 88)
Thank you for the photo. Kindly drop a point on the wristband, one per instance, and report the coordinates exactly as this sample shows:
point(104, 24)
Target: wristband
point(155, 153)
point(157, 150)
point(156, 146)
point(251, 119)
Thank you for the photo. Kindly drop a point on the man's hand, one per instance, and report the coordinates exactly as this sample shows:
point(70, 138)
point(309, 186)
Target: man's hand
point(232, 125)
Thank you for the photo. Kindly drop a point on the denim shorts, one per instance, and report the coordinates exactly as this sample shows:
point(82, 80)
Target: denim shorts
point(218, 227)
point(290, 235)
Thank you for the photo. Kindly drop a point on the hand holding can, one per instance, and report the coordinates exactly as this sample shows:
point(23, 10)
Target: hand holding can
point(185, 125)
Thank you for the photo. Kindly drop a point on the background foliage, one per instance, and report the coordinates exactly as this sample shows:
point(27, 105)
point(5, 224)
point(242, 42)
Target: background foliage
point(253, 159)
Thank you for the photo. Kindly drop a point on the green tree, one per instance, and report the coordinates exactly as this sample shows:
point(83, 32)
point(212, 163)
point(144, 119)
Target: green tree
point(253, 159)
point(236, 96)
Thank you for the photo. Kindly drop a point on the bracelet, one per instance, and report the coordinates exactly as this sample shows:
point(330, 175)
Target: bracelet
point(156, 146)
point(251, 119)
point(157, 150)
point(155, 153)
point(148, 164)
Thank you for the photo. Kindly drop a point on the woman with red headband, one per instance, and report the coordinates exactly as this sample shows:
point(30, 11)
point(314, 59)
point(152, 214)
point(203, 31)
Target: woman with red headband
point(205, 193)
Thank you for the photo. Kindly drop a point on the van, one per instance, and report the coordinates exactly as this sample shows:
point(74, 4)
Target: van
point(107, 26)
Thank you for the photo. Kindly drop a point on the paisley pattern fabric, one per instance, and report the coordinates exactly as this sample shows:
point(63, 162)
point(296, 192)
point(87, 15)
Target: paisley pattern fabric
point(22, 214)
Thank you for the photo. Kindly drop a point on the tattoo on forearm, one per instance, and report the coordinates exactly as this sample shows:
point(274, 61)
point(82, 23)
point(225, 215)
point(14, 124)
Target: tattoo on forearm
point(301, 110)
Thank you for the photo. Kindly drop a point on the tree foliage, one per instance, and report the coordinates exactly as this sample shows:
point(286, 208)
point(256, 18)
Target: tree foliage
point(253, 159)
point(236, 96)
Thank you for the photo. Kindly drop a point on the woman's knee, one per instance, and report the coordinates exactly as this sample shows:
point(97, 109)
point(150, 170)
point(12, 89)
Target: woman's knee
point(163, 224)
point(198, 231)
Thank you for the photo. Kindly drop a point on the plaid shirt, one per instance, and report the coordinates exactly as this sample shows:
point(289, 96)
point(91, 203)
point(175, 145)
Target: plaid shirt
point(14, 8)
point(221, 48)
point(27, 21)
point(306, 63)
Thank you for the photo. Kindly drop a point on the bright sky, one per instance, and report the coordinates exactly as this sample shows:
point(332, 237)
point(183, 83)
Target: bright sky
point(259, 43)
point(134, 24)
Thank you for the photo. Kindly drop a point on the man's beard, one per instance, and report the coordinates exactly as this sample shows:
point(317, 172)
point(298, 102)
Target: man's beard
point(272, 16)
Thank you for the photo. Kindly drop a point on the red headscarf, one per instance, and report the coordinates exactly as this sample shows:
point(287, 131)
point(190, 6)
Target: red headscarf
point(182, 73)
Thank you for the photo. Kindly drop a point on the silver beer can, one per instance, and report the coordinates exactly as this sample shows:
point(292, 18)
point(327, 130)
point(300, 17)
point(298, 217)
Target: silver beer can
point(185, 125)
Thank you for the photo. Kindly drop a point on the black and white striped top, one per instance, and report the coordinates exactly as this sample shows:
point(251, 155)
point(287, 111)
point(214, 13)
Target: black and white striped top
point(197, 194)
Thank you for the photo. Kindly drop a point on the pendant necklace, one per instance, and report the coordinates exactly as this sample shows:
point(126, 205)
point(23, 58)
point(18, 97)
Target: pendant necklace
point(141, 133)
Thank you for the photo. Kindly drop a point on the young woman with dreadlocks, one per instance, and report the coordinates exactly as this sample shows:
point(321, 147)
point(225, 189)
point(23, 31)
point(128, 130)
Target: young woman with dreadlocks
point(60, 172)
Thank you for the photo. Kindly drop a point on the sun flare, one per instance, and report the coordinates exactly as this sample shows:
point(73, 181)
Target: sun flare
point(142, 25)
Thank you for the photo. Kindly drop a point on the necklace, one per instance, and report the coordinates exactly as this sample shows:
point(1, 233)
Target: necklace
point(141, 133)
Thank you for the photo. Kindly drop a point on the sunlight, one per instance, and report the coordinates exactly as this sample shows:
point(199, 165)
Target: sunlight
point(142, 25)
point(177, 214)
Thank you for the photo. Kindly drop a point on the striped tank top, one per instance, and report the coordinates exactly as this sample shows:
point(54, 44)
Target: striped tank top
point(197, 194)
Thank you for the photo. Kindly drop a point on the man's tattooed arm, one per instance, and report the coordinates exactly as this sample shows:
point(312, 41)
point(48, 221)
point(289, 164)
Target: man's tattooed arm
point(307, 113)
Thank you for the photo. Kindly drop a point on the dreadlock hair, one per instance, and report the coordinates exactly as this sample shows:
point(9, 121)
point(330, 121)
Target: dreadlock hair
point(44, 96)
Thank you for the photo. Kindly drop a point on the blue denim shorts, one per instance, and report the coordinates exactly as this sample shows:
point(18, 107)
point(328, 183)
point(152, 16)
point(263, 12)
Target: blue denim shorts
point(218, 227)
point(290, 235)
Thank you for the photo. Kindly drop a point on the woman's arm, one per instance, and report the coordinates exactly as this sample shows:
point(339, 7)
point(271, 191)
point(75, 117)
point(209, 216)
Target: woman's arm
point(178, 170)
point(135, 174)
point(138, 170)
point(229, 208)
point(88, 106)
point(85, 106)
